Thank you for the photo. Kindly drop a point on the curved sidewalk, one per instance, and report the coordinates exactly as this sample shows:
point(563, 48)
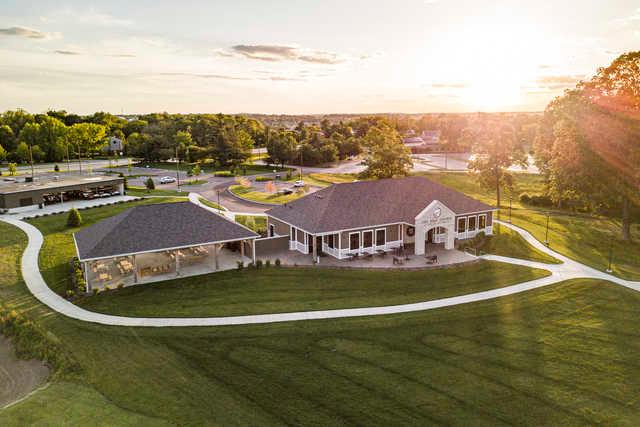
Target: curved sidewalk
point(38, 287)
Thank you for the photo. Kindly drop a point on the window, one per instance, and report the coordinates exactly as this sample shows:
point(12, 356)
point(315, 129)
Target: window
point(367, 238)
point(381, 237)
point(482, 221)
point(462, 225)
point(272, 230)
point(331, 241)
point(354, 241)
point(472, 223)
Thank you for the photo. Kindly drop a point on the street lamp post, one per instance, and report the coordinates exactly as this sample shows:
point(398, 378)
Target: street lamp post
point(546, 236)
point(178, 169)
point(219, 206)
point(609, 269)
point(510, 198)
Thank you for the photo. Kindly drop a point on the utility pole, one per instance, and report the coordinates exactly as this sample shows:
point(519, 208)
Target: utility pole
point(79, 160)
point(68, 159)
point(31, 160)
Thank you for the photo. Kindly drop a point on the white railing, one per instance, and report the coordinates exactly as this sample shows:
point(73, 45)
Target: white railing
point(344, 253)
point(297, 246)
point(471, 234)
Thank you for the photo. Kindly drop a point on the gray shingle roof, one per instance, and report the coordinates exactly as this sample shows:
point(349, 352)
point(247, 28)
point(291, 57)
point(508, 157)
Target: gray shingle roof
point(366, 203)
point(155, 227)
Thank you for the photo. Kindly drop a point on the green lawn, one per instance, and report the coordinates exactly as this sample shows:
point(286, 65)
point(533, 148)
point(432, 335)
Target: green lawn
point(58, 247)
point(254, 222)
point(250, 193)
point(508, 243)
point(247, 169)
point(274, 290)
point(561, 355)
point(143, 192)
point(209, 203)
point(585, 238)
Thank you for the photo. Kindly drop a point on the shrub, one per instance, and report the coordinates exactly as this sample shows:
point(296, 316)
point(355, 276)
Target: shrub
point(277, 262)
point(70, 293)
point(263, 178)
point(525, 198)
point(240, 265)
point(74, 219)
point(267, 263)
point(56, 168)
point(289, 175)
point(96, 291)
point(120, 286)
point(259, 263)
point(150, 184)
point(536, 200)
point(223, 174)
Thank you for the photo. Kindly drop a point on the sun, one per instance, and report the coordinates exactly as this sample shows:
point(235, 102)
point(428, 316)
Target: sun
point(494, 58)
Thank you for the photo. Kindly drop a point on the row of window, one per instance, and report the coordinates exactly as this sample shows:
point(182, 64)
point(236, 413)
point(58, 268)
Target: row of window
point(471, 223)
point(355, 238)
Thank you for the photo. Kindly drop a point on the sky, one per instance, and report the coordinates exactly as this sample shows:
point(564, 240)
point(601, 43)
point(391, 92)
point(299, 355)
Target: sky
point(304, 57)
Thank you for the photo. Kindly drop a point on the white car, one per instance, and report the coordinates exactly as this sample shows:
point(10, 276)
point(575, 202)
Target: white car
point(167, 180)
point(298, 183)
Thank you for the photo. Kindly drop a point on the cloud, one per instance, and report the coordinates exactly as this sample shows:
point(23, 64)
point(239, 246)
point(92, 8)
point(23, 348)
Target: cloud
point(232, 77)
point(23, 32)
point(121, 55)
point(451, 85)
point(559, 82)
point(276, 53)
point(66, 52)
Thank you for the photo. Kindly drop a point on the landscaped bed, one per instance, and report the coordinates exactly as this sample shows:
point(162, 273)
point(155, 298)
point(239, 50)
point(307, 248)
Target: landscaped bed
point(276, 290)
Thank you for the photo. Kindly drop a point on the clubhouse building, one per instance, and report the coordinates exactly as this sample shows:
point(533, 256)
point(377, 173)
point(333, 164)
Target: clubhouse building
point(368, 217)
point(149, 243)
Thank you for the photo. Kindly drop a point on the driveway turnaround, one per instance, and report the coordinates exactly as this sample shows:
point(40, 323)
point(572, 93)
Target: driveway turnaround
point(568, 270)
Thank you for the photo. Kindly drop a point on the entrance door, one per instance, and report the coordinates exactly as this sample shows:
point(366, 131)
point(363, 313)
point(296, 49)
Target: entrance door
point(430, 235)
point(367, 239)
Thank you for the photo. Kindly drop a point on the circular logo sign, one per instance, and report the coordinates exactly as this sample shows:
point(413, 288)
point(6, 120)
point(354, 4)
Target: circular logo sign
point(436, 213)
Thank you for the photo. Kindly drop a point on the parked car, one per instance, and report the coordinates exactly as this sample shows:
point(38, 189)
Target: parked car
point(167, 180)
point(285, 191)
point(115, 193)
point(88, 195)
point(298, 183)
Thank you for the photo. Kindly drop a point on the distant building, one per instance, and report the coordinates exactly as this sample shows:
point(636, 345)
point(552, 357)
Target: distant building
point(427, 141)
point(114, 144)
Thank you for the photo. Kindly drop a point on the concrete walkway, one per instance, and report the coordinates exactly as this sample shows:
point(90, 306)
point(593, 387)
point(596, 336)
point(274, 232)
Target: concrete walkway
point(36, 284)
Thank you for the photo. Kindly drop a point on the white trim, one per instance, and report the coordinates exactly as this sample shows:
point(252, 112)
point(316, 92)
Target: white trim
point(373, 242)
point(375, 237)
point(359, 242)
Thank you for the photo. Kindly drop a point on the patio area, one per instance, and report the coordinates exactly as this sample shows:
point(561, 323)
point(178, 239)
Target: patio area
point(160, 266)
point(436, 256)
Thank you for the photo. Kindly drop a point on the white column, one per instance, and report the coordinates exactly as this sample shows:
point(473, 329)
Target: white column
point(135, 270)
point(451, 235)
point(215, 255)
point(177, 263)
point(339, 245)
point(253, 250)
point(419, 239)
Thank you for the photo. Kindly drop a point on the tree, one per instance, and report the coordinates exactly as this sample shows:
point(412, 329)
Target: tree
point(281, 147)
point(183, 141)
point(22, 152)
point(3, 153)
point(13, 169)
point(73, 218)
point(88, 137)
point(150, 184)
point(496, 150)
point(387, 156)
point(588, 143)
